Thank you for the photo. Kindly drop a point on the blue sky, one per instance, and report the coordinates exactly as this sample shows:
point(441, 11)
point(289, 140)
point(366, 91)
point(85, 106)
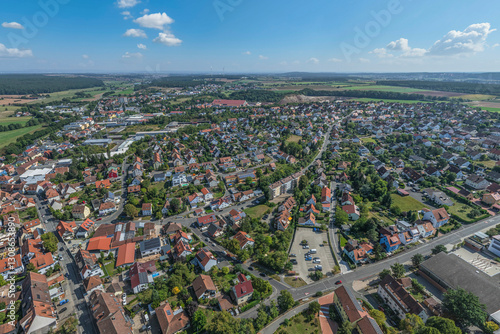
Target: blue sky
point(249, 36)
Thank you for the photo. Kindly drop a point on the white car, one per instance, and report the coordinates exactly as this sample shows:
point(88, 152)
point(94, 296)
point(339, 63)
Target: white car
point(317, 261)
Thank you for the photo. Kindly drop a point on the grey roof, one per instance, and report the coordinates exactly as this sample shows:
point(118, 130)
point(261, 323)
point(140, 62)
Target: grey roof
point(150, 244)
point(455, 273)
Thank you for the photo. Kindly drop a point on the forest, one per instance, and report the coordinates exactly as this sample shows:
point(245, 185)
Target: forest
point(256, 95)
point(371, 94)
point(24, 84)
point(446, 86)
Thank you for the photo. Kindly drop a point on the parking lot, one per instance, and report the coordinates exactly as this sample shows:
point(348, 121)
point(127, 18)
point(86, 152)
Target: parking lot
point(318, 241)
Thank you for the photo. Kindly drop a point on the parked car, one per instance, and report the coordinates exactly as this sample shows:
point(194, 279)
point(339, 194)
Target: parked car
point(64, 301)
point(317, 261)
point(318, 267)
point(250, 268)
point(381, 308)
point(308, 258)
point(262, 275)
point(338, 282)
point(63, 309)
point(305, 247)
point(293, 255)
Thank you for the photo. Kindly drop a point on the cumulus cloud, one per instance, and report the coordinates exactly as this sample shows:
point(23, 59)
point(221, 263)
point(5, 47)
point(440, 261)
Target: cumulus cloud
point(471, 40)
point(14, 53)
point(381, 53)
point(12, 25)
point(127, 3)
point(403, 46)
point(247, 53)
point(142, 46)
point(154, 21)
point(135, 33)
point(145, 11)
point(263, 57)
point(85, 56)
point(167, 39)
point(335, 60)
point(135, 55)
point(126, 15)
point(313, 60)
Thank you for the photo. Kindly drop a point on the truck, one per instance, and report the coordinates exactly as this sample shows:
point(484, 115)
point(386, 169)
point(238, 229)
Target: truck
point(62, 302)
point(312, 251)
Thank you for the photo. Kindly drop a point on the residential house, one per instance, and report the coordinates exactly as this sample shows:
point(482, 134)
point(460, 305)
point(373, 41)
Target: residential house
point(141, 275)
point(66, 230)
point(243, 291)
point(244, 239)
point(85, 229)
point(80, 211)
point(205, 260)
point(150, 247)
point(437, 217)
point(171, 321)
point(476, 182)
point(358, 252)
point(204, 287)
point(147, 209)
point(352, 211)
point(87, 264)
point(126, 255)
point(109, 314)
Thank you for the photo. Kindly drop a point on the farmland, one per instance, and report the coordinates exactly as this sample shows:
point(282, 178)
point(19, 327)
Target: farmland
point(9, 137)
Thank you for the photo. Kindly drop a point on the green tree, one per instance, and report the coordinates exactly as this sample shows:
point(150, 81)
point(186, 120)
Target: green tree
point(439, 249)
point(199, 321)
point(428, 330)
point(314, 307)
point(130, 210)
point(412, 323)
point(345, 328)
point(31, 267)
point(417, 259)
point(398, 270)
point(222, 323)
point(225, 270)
point(341, 217)
point(384, 273)
point(465, 307)
point(303, 182)
point(285, 300)
point(444, 325)
point(379, 317)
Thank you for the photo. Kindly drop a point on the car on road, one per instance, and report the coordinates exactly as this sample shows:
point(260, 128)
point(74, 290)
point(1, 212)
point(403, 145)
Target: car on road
point(206, 239)
point(250, 268)
point(381, 308)
point(63, 309)
point(338, 282)
point(293, 255)
point(61, 249)
point(99, 219)
point(262, 275)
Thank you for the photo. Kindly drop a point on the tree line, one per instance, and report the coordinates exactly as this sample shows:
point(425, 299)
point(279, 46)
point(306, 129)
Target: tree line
point(256, 95)
point(372, 94)
point(21, 84)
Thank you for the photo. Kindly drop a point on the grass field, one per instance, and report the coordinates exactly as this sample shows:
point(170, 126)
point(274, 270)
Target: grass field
point(382, 88)
point(492, 109)
point(299, 324)
point(474, 97)
point(256, 211)
point(460, 209)
point(14, 120)
point(9, 137)
point(488, 163)
point(368, 140)
point(295, 282)
point(293, 139)
point(407, 203)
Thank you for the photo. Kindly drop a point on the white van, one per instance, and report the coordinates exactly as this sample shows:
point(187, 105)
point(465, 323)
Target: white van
point(312, 251)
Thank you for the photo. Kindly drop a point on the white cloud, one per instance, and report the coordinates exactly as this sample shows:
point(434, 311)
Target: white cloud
point(247, 53)
point(495, 45)
point(263, 57)
point(85, 56)
point(471, 40)
point(364, 60)
point(126, 15)
point(127, 3)
point(135, 55)
point(135, 33)
point(14, 53)
point(167, 39)
point(313, 60)
point(142, 46)
point(381, 53)
point(12, 25)
point(403, 46)
point(154, 21)
point(335, 60)
point(145, 11)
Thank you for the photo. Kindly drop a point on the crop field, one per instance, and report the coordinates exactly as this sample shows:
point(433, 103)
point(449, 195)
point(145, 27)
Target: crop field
point(9, 137)
point(14, 120)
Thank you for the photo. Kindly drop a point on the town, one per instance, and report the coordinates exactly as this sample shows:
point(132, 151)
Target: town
point(170, 212)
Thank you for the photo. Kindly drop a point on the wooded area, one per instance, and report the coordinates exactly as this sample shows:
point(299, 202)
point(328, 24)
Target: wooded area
point(23, 84)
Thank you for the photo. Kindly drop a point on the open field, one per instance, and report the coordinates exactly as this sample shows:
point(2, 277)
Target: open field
point(407, 203)
point(368, 140)
point(9, 137)
point(475, 97)
point(14, 120)
point(488, 163)
point(256, 211)
point(460, 209)
point(5, 100)
point(365, 99)
point(293, 139)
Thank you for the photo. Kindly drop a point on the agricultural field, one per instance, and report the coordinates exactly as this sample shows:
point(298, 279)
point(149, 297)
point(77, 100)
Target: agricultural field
point(365, 99)
point(9, 137)
point(14, 120)
point(475, 97)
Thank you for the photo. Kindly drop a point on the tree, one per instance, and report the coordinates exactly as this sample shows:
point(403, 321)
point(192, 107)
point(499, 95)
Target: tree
point(439, 249)
point(384, 273)
point(379, 317)
point(314, 307)
point(398, 270)
point(428, 330)
point(285, 300)
point(417, 259)
point(465, 307)
point(175, 205)
point(222, 323)
point(303, 182)
point(49, 242)
point(341, 217)
point(444, 325)
point(225, 270)
point(199, 321)
point(490, 327)
point(345, 328)
point(412, 323)
point(130, 210)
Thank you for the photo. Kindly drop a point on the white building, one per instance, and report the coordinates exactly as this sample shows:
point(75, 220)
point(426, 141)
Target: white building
point(495, 245)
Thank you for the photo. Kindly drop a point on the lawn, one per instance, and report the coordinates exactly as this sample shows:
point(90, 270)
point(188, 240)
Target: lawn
point(460, 210)
point(295, 282)
point(294, 139)
point(110, 267)
point(9, 137)
point(488, 163)
point(256, 211)
point(382, 88)
point(368, 140)
point(14, 120)
point(299, 324)
point(407, 203)
point(342, 240)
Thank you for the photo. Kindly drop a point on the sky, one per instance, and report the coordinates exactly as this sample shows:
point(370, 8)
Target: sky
point(249, 36)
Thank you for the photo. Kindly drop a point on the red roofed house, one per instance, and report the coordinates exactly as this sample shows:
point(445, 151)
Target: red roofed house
point(126, 255)
point(141, 275)
point(147, 209)
point(352, 211)
point(437, 217)
point(242, 292)
point(172, 322)
point(9, 267)
point(244, 239)
point(43, 262)
point(66, 230)
point(205, 259)
point(99, 244)
point(204, 221)
point(85, 229)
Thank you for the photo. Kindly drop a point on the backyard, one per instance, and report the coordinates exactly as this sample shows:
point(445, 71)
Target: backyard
point(299, 324)
point(407, 203)
point(256, 211)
